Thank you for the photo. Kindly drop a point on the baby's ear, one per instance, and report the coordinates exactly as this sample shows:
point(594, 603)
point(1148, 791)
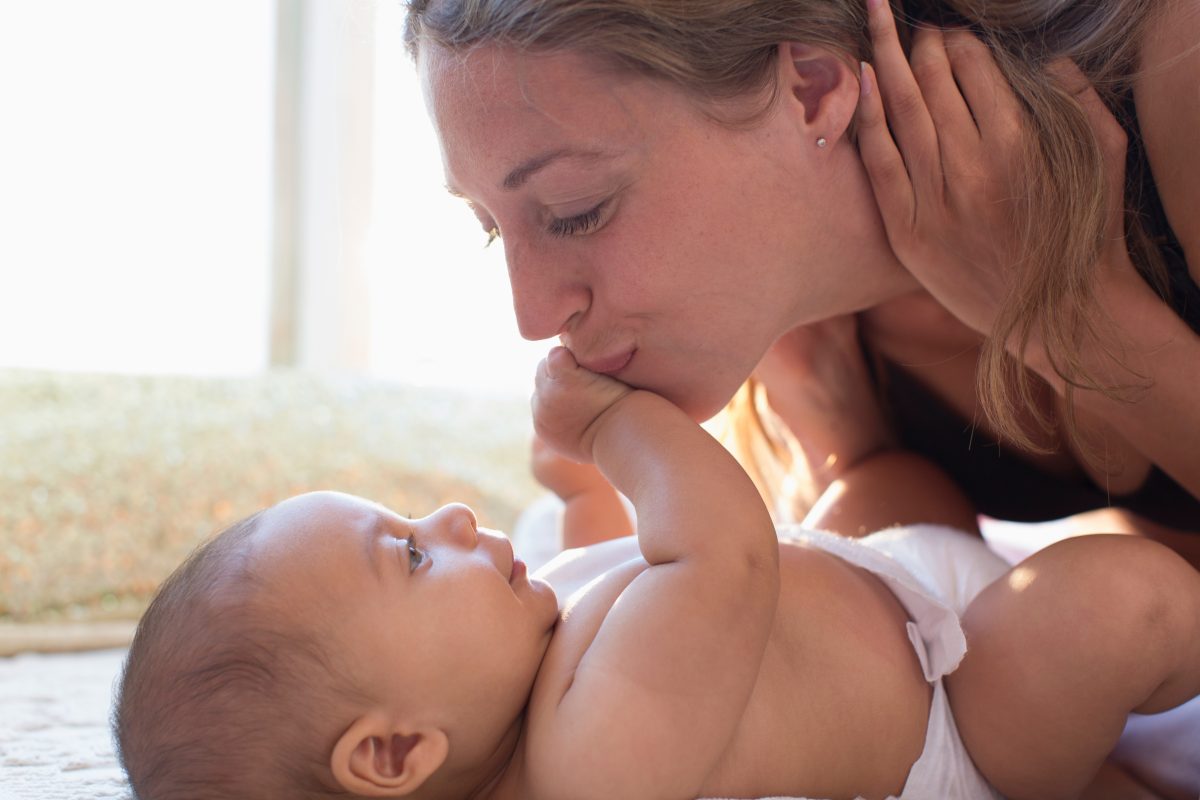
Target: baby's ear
point(376, 757)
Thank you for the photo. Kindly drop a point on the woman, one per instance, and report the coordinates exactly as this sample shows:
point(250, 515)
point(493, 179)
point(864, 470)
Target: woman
point(678, 185)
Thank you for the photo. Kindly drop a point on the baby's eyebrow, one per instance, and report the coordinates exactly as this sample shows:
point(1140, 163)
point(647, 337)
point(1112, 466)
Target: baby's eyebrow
point(371, 538)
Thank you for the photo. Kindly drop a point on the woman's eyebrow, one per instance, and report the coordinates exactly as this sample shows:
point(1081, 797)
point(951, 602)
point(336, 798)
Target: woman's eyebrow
point(518, 177)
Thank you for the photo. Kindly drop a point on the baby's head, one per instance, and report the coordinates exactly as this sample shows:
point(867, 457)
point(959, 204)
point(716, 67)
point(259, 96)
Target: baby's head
point(329, 647)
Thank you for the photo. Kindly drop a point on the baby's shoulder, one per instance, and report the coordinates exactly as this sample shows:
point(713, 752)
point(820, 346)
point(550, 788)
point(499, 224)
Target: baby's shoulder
point(580, 620)
point(582, 613)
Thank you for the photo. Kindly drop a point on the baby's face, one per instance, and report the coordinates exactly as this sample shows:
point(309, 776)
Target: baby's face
point(433, 616)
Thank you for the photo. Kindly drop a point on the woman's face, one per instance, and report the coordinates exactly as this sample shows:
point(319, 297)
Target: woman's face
point(662, 247)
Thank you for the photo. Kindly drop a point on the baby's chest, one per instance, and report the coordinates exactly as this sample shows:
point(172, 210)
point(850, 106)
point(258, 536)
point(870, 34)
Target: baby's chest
point(580, 620)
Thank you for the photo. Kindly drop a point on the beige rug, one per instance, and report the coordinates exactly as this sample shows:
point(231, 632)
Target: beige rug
point(54, 740)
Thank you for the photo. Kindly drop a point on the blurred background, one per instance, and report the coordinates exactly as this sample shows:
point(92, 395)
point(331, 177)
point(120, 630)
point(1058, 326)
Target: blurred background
point(229, 272)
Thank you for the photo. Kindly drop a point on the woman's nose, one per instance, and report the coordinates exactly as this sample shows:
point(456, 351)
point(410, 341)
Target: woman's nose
point(546, 293)
point(455, 523)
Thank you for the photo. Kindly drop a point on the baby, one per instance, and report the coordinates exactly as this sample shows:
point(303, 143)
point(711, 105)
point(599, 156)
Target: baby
point(329, 647)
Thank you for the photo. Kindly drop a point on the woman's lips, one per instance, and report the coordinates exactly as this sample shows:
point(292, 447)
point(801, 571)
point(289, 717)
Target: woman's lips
point(609, 365)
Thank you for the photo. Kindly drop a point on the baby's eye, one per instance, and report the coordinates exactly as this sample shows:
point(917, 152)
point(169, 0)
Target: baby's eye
point(416, 556)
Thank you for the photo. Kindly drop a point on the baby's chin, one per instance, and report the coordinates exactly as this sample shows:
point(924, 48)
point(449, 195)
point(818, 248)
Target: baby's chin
point(542, 587)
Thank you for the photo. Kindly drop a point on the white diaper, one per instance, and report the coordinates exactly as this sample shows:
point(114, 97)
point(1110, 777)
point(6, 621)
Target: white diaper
point(935, 572)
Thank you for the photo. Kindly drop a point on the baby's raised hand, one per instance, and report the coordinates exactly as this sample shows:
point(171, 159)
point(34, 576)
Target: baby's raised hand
point(568, 479)
point(569, 401)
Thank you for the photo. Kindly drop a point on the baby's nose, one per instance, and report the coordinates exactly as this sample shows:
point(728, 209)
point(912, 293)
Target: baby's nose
point(459, 524)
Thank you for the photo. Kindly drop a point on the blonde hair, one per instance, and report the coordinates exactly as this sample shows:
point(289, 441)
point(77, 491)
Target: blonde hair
point(719, 50)
point(769, 453)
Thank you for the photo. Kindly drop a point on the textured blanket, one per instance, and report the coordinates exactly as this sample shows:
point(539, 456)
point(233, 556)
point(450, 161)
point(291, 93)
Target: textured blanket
point(54, 740)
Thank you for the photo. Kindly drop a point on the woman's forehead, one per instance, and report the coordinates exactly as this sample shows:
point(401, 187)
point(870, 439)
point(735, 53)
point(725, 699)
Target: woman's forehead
point(496, 109)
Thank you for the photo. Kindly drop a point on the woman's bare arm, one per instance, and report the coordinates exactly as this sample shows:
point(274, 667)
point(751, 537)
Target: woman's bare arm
point(935, 137)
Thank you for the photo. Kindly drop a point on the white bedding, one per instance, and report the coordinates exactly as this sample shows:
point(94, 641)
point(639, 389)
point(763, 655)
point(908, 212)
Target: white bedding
point(54, 739)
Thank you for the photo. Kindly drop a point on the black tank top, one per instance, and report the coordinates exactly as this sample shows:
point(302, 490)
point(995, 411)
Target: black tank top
point(997, 480)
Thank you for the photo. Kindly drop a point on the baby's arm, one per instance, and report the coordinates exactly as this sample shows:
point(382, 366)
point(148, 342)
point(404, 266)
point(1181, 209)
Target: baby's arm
point(662, 685)
point(592, 509)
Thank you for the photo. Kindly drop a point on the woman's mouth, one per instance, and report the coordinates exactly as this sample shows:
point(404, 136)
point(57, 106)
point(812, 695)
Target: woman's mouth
point(610, 365)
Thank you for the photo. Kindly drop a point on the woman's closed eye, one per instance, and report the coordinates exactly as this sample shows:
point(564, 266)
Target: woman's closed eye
point(581, 224)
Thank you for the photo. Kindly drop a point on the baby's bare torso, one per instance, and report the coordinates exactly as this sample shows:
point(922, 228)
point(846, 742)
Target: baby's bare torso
point(840, 706)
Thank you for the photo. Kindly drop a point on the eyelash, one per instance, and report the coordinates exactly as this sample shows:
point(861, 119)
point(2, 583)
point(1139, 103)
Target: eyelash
point(413, 550)
point(579, 225)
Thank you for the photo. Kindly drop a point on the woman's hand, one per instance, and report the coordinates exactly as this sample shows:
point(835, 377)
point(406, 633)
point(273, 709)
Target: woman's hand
point(568, 401)
point(946, 183)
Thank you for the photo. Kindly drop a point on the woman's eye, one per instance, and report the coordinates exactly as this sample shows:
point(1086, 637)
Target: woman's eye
point(579, 225)
point(416, 556)
point(493, 233)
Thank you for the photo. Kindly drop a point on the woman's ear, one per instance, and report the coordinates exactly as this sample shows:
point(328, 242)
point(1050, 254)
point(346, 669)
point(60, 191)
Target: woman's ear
point(819, 87)
point(376, 757)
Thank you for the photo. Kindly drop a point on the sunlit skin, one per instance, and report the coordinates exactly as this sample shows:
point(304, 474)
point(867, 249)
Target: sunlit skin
point(798, 676)
point(661, 246)
point(422, 611)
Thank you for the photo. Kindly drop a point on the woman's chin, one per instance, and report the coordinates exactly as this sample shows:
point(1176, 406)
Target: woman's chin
point(700, 393)
point(700, 406)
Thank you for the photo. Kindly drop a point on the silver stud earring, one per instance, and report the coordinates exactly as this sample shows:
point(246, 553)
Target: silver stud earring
point(821, 142)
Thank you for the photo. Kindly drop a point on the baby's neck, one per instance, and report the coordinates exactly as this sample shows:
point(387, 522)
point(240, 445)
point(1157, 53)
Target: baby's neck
point(502, 776)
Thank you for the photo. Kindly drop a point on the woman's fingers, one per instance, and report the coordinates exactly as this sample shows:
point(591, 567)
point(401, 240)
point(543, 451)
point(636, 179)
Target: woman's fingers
point(997, 112)
point(931, 68)
point(1110, 135)
point(906, 109)
point(885, 167)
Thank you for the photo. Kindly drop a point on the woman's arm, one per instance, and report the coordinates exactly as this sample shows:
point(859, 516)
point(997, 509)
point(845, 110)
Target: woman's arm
point(1162, 420)
point(1166, 94)
point(942, 181)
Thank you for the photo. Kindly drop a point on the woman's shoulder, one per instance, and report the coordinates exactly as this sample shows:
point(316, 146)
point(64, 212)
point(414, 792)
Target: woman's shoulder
point(1167, 101)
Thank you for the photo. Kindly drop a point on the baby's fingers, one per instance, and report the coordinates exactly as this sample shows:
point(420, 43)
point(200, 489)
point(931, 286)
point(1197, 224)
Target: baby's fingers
point(568, 399)
point(557, 365)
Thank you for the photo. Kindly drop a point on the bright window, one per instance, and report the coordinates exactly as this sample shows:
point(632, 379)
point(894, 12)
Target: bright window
point(135, 184)
point(141, 197)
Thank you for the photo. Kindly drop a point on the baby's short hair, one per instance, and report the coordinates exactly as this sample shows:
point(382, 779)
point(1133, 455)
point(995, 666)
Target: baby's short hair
point(221, 698)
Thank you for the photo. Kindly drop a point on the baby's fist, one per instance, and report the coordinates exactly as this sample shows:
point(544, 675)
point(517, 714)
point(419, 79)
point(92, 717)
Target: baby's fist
point(561, 475)
point(567, 402)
